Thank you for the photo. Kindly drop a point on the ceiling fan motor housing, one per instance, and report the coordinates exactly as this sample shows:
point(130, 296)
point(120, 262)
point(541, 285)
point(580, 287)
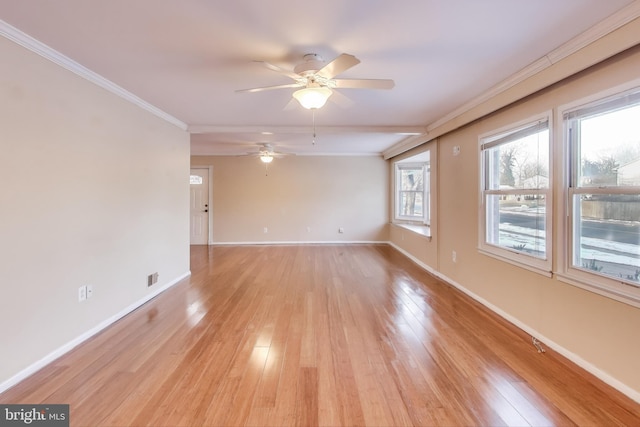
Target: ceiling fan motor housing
point(310, 66)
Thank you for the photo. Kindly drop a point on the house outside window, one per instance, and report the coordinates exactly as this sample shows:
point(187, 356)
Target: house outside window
point(603, 192)
point(515, 219)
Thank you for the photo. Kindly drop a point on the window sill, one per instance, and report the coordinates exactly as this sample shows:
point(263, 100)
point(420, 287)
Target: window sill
point(624, 293)
point(423, 230)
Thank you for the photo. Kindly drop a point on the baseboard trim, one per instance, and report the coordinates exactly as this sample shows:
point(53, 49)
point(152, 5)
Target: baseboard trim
point(34, 367)
point(587, 366)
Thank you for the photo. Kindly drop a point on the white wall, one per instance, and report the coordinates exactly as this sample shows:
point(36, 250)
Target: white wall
point(93, 190)
point(299, 193)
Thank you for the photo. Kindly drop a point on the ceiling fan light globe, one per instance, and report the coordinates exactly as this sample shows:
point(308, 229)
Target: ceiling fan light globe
point(266, 158)
point(312, 97)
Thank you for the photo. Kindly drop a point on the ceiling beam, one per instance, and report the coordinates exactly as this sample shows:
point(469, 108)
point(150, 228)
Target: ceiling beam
point(267, 130)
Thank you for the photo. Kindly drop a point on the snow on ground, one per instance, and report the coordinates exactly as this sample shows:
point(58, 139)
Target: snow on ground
point(614, 259)
point(604, 250)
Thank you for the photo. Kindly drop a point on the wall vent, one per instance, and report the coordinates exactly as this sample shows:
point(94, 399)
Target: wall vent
point(152, 279)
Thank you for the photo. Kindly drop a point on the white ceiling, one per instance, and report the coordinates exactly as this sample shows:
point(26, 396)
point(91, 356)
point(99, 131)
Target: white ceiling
point(188, 57)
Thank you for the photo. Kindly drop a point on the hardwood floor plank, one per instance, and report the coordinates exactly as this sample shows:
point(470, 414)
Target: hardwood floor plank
point(534, 408)
point(349, 409)
point(307, 409)
point(268, 387)
point(246, 388)
point(318, 335)
point(308, 349)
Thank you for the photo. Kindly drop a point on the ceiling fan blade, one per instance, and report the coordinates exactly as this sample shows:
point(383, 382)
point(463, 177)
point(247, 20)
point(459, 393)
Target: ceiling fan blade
point(291, 105)
point(340, 99)
point(279, 70)
point(338, 65)
point(364, 83)
point(260, 89)
point(280, 154)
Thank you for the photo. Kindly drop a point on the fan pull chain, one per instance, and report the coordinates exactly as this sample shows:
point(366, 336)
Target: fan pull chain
point(313, 113)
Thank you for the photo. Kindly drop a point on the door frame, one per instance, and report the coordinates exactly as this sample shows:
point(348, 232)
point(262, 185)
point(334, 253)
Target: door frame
point(210, 200)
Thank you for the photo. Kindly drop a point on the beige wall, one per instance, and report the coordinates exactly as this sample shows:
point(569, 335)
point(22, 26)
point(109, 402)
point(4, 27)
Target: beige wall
point(93, 190)
point(323, 193)
point(599, 331)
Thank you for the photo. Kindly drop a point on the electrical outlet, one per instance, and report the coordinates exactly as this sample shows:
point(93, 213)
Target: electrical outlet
point(266, 230)
point(454, 256)
point(82, 293)
point(308, 229)
point(340, 230)
point(456, 150)
point(89, 291)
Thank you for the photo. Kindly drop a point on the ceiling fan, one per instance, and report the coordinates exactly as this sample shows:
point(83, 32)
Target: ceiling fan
point(316, 81)
point(266, 153)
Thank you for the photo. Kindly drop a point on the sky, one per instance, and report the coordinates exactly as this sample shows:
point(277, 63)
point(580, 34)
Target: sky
point(606, 135)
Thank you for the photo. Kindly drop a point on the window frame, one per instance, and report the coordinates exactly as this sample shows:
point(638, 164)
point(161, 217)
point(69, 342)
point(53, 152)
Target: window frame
point(582, 277)
point(399, 165)
point(488, 140)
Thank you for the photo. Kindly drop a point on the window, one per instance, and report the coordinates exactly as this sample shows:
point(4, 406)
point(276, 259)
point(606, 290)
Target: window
point(412, 189)
point(603, 193)
point(516, 195)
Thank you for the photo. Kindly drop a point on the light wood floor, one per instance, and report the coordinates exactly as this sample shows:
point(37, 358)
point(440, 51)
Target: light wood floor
point(308, 335)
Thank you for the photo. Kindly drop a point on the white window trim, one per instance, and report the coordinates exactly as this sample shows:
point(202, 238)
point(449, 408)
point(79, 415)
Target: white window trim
point(399, 219)
point(565, 272)
point(520, 259)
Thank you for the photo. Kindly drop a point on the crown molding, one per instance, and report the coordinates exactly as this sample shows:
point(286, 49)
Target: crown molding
point(596, 32)
point(405, 145)
point(586, 38)
point(608, 25)
point(63, 61)
point(520, 76)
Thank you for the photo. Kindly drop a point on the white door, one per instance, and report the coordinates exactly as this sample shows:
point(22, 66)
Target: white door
point(199, 206)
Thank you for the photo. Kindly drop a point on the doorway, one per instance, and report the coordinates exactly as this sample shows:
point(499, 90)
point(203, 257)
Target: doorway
point(200, 209)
